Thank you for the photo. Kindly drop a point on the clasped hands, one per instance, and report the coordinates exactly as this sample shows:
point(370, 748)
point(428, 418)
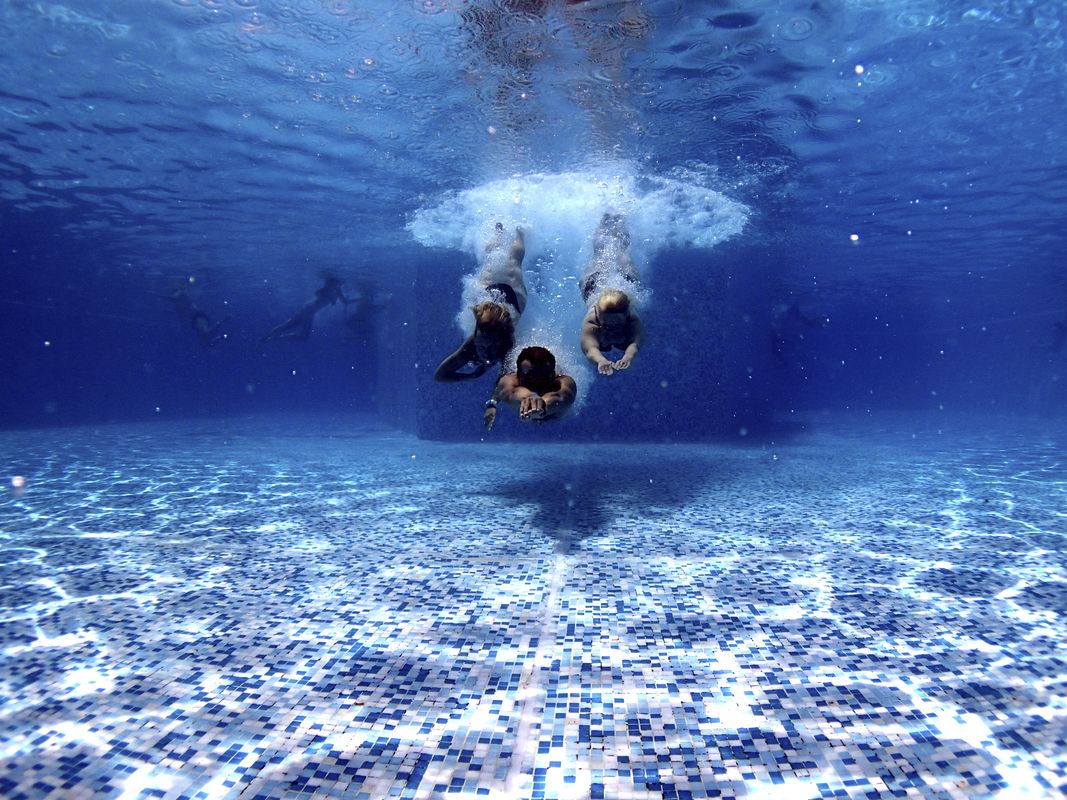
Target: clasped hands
point(608, 367)
point(532, 408)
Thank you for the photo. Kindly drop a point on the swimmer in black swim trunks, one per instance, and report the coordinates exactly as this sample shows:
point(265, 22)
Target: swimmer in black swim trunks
point(207, 334)
point(298, 326)
point(495, 317)
point(611, 323)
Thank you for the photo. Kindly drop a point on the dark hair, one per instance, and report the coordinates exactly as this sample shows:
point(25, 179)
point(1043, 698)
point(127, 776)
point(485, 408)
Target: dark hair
point(331, 285)
point(537, 356)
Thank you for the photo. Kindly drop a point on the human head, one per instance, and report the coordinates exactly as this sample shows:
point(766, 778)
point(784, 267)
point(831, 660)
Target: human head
point(612, 301)
point(330, 289)
point(494, 332)
point(536, 367)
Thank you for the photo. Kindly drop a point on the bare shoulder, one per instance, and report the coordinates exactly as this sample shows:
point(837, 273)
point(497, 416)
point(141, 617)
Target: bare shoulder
point(507, 382)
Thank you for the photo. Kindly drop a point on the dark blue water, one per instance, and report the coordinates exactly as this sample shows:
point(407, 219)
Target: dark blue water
point(810, 545)
point(239, 149)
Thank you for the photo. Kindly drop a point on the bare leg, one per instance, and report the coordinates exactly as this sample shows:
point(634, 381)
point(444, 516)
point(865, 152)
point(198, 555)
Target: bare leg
point(298, 327)
point(505, 266)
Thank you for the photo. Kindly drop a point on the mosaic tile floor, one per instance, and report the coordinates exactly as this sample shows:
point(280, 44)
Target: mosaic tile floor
point(219, 610)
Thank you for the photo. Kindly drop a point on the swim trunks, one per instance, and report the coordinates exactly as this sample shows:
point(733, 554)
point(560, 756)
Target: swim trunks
point(589, 284)
point(507, 291)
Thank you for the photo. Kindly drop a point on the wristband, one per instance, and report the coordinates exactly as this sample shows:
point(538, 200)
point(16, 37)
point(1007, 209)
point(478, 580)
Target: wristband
point(490, 403)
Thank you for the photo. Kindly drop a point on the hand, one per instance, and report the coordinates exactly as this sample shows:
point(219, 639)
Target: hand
point(624, 362)
point(489, 417)
point(605, 368)
point(532, 408)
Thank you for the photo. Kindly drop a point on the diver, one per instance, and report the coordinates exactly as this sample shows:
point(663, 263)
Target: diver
point(207, 334)
point(535, 391)
point(611, 323)
point(361, 312)
point(299, 325)
point(788, 323)
point(501, 301)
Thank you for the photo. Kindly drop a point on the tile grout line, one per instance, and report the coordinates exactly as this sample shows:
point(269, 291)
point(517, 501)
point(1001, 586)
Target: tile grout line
point(533, 699)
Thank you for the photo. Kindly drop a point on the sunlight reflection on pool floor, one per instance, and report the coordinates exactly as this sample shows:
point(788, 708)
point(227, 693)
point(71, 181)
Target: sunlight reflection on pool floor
point(228, 610)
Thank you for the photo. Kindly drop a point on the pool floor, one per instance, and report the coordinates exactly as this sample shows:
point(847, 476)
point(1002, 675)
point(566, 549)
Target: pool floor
point(265, 609)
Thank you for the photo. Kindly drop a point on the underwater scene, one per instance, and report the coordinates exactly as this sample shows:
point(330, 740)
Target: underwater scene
point(533, 399)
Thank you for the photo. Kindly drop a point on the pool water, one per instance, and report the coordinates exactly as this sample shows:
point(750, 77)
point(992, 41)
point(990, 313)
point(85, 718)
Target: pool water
point(272, 608)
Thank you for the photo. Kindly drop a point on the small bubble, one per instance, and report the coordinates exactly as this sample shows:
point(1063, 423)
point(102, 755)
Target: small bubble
point(855, 237)
point(858, 69)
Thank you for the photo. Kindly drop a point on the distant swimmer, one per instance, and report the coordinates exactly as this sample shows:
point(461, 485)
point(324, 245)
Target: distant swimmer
point(361, 312)
point(788, 324)
point(535, 391)
point(611, 323)
point(298, 326)
point(502, 299)
point(207, 334)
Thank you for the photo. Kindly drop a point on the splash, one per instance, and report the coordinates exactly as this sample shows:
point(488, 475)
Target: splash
point(558, 213)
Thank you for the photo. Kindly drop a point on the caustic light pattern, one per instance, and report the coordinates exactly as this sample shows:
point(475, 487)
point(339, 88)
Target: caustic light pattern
point(201, 614)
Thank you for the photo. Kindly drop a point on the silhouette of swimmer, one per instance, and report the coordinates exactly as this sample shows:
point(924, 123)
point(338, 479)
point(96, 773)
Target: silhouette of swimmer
point(362, 310)
point(207, 334)
point(298, 326)
point(788, 323)
point(503, 299)
point(611, 323)
point(535, 391)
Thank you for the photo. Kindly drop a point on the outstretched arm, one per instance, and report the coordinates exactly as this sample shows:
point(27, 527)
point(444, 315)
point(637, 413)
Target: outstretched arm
point(591, 344)
point(489, 416)
point(528, 405)
point(448, 371)
point(638, 331)
point(531, 406)
point(558, 403)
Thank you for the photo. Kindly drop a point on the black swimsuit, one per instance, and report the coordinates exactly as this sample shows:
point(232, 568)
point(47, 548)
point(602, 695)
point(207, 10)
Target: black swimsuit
point(589, 284)
point(508, 292)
